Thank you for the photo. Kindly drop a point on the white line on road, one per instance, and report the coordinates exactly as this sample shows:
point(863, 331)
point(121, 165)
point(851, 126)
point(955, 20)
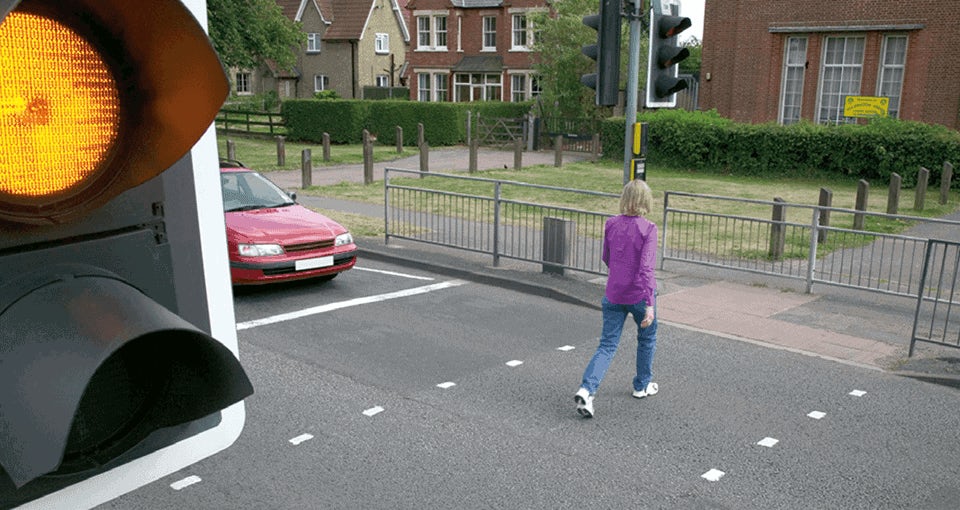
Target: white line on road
point(858, 393)
point(186, 482)
point(373, 410)
point(768, 442)
point(346, 304)
point(301, 438)
point(446, 385)
point(392, 273)
point(566, 348)
point(816, 415)
point(713, 475)
point(514, 363)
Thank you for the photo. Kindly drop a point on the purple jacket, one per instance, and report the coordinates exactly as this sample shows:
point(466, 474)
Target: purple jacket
point(630, 251)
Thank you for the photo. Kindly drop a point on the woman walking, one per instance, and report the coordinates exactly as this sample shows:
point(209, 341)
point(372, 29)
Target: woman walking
point(630, 252)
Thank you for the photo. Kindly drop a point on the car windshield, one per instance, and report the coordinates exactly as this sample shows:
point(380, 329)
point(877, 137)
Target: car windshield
point(244, 191)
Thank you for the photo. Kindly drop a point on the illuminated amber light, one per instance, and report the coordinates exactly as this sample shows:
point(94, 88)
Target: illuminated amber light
point(59, 107)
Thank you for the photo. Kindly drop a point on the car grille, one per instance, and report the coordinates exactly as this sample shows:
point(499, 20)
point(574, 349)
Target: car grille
point(315, 245)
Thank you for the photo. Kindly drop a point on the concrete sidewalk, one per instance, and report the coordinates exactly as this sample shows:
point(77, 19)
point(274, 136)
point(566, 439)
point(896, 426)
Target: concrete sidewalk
point(856, 327)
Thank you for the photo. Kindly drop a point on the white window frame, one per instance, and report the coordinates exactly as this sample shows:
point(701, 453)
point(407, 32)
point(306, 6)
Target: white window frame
point(321, 82)
point(488, 40)
point(313, 42)
point(431, 30)
point(886, 83)
point(381, 43)
point(792, 79)
point(431, 86)
point(839, 79)
point(244, 83)
point(524, 85)
point(382, 80)
point(521, 32)
point(488, 86)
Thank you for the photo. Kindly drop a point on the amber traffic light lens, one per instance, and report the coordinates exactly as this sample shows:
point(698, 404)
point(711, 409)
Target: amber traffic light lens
point(59, 108)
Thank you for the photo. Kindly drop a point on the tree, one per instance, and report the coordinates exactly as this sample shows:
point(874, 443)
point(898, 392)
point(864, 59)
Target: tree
point(691, 64)
point(245, 33)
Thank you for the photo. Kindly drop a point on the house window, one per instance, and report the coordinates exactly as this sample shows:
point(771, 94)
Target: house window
point(842, 69)
point(522, 33)
point(382, 43)
point(321, 82)
point(477, 87)
point(424, 91)
point(791, 92)
point(432, 32)
point(489, 33)
point(313, 43)
point(243, 83)
point(382, 80)
point(893, 60)
point(524, 86)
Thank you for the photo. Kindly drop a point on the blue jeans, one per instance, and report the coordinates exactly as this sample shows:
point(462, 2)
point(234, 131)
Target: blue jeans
point(613, 318)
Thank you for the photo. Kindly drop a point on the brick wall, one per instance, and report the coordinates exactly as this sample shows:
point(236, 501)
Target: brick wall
point(743, 57)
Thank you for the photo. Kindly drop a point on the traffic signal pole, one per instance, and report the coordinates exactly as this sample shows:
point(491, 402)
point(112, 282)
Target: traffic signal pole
point(633, 81)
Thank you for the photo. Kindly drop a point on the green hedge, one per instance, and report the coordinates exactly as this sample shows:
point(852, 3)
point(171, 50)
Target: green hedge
point(872, 151)
point(444, 123)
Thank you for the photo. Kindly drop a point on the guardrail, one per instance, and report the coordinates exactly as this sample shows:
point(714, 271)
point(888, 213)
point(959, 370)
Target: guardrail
point(799, 241)
point(490, 222)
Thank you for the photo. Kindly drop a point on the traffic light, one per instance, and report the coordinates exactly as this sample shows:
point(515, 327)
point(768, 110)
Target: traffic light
point(118, 350)
point(606, 81)
point(664, 55)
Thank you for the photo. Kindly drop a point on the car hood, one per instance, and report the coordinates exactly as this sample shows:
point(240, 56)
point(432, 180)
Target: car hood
point(284, 225)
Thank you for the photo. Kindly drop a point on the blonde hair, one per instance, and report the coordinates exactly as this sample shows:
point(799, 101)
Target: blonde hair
point(637, 199)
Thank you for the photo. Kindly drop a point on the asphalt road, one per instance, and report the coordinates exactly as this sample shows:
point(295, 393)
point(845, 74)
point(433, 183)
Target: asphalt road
point(348, 412)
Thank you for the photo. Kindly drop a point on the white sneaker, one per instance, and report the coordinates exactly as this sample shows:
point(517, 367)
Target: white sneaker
point(584, 401)
point(649, 391)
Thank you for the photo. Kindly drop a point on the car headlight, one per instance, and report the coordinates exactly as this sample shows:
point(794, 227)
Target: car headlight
point(259, 250)
point(344, 238)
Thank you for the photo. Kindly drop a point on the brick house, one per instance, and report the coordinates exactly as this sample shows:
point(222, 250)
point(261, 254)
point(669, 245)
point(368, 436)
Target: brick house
point(472, 50)
point(783, 60)
point(351, 44)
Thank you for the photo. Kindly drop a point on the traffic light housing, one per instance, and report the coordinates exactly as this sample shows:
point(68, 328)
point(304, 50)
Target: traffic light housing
point(118, 360)
point(606, 52)
point(664, 55)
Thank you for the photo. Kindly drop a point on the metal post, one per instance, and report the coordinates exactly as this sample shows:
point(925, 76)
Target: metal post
point(496, 224)
point(812, 256)
point(663, 240)
point(386, 206)
point(633, 79)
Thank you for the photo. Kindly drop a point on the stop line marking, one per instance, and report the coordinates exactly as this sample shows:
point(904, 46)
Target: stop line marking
point(306, 312)
point(393, 273)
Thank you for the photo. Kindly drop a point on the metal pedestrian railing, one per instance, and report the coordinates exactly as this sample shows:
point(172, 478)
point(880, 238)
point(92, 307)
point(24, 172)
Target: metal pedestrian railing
point(827, 245)
point(937, 317)
point(484, 218)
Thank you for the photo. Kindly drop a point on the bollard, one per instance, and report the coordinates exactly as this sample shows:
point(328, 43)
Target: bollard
point(517, 153)
point(863, 193)
point(558, 151)
point(558, 236)
point(281, 151)
point(367, 158)
point(420, 135)
point(826, 200)
point(474, 148)
point(923, 178)
point(424, 158)
point(893, 194)
point(326, 147)
point(945, 179)
point(306, 169)
point(778, 231)
point(399, 140)
point(231, 150)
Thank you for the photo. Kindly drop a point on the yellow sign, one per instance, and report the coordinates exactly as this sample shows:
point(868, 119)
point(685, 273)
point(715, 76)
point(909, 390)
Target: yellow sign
point(865, 106)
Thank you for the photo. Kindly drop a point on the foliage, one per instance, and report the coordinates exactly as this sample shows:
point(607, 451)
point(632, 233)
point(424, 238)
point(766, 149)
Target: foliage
point(872, 151)
point(245, 33)
point(691, 64)
point(326, 94)
point(267, 102)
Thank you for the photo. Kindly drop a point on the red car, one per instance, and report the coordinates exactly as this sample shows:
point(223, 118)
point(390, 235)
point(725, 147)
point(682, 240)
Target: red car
point(272, 238)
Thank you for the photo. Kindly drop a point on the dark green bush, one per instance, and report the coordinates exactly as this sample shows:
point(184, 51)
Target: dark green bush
point(871, 151)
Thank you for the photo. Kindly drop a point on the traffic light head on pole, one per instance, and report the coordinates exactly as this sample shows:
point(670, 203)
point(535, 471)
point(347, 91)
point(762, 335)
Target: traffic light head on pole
point(606, 52)
point(106, 353)
point(664, 55)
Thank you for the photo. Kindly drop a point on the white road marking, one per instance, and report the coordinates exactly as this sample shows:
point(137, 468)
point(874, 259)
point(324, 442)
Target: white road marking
point(393, 273)
point(768, 442)
point(301, 438)
point(857, 393)
point(346, 304)
point(186, 482)
point(816, 415)
point(566, 348)
point(713, 475)
point(514, 363)
point(446, 385)
point(373, 411)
